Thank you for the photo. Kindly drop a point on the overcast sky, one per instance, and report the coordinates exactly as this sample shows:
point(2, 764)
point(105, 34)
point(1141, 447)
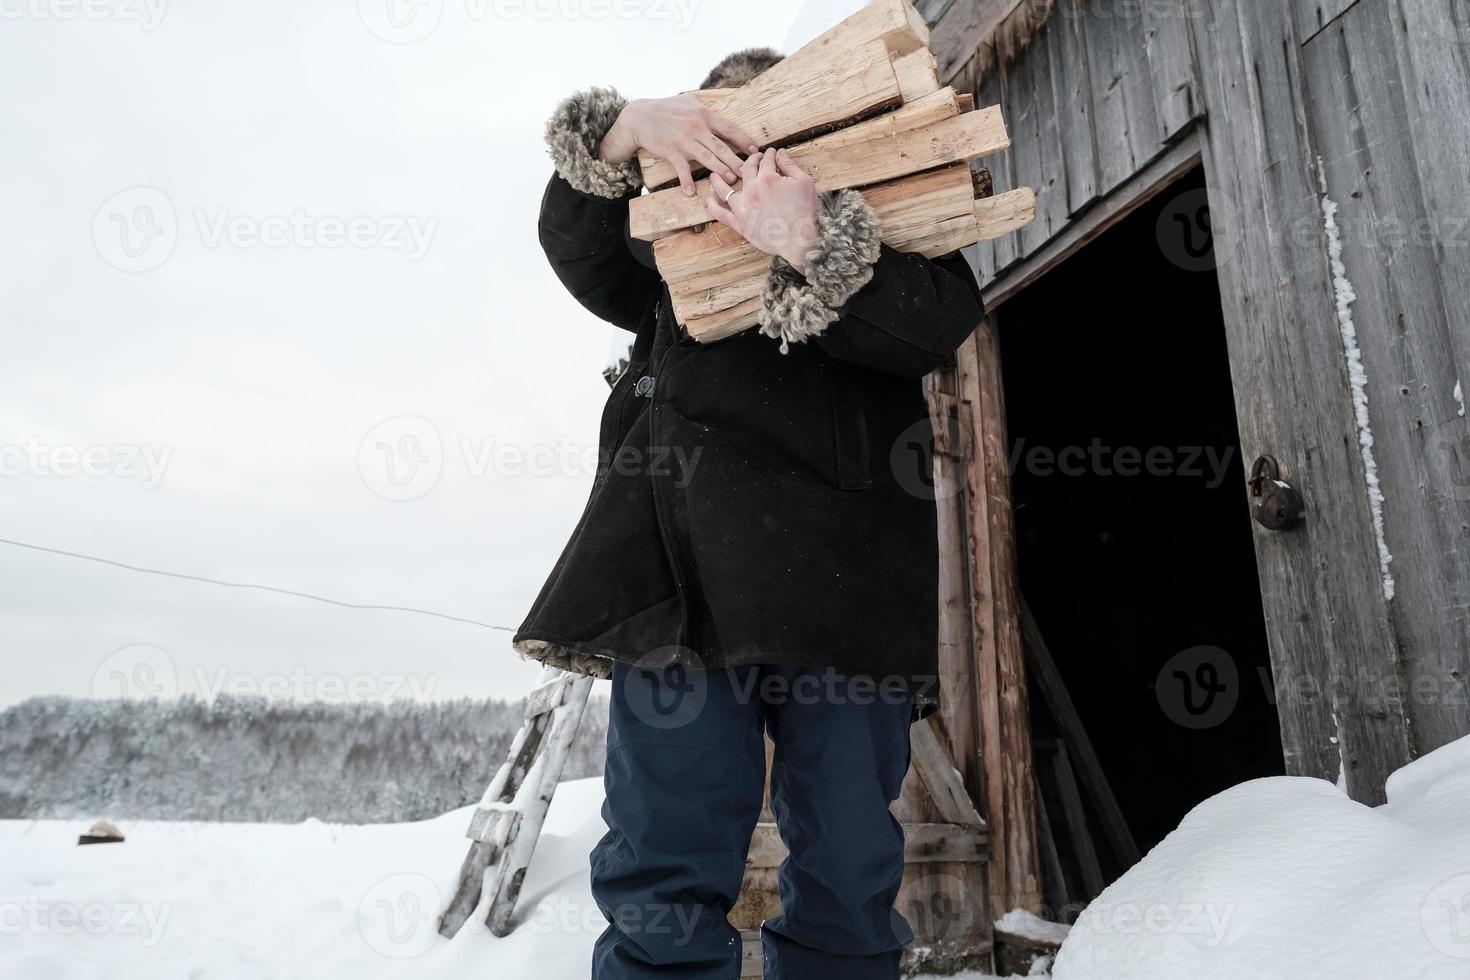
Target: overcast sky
point(273, 311)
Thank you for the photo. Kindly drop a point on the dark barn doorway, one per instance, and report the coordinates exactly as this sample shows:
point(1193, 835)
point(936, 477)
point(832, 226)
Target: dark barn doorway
point(1134, 543)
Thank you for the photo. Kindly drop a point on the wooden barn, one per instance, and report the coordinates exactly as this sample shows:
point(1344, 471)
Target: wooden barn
point(1203, 475)
point(1204, 472)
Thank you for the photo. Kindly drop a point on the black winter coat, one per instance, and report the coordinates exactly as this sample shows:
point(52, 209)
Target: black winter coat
point(753, 506)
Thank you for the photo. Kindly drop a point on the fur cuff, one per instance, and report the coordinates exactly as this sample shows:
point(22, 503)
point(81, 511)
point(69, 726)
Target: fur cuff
point(793, 307)
point(574, 133)
point(564, 658)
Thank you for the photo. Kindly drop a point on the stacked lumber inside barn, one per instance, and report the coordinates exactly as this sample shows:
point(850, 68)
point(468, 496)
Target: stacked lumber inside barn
point(860, 107)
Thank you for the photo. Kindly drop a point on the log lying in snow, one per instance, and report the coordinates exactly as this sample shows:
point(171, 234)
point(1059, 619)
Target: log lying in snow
point(915, 218)
point(926, 134)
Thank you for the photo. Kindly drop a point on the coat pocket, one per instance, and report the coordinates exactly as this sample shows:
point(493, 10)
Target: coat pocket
point(850, 431)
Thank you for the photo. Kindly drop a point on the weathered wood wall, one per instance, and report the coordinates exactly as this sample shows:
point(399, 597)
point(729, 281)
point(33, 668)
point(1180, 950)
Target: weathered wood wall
point(1386, 94)
point(1104, 88)
point(1299, 108)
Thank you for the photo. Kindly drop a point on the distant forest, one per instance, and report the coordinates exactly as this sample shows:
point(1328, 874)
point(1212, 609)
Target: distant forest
point(257, 760)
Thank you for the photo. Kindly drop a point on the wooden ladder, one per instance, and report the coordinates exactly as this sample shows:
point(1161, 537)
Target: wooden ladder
point(507, 823)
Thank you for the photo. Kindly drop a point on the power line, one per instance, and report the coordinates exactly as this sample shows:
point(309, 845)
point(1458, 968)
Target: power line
point(250, 585)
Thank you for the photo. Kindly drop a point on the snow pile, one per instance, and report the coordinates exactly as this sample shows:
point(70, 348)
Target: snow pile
point(1288, 878)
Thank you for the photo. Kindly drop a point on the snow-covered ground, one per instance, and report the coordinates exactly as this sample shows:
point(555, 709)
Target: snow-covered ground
point(1277, 878)
point(309, 900)
point(273, 901)
point(1288, 878)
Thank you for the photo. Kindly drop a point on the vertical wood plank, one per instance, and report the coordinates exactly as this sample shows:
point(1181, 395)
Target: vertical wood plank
point(1031, 111)
point(1383, 81)
point(1325, 611)
point(1005, 720)
point(994, 90)
point(1071, 81)
point(956, 637)
point(1129, 131)
point(1166, 34)
point(1313, 15)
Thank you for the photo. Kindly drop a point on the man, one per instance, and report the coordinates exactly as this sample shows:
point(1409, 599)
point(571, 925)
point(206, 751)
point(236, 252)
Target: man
point(758, 553)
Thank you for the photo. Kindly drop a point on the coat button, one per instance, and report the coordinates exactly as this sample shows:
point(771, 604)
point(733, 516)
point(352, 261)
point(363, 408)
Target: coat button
point(644, 388)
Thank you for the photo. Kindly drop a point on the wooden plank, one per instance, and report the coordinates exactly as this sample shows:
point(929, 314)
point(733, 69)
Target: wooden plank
point(895, 22)
point(1078, 832)
point(918, 75)
point(1048, 680)
point(503, 787)
point(548, 697)
point(1054, 878)
point(1015, 877)
point(1129, 130)
point(515, 857)
point(711, 268)
point(1036, 152)
point(1322, 592)
point(666, 212)
point(494, 827)
point(924, 843)
point(751, 953)
point(963, 27)
point(1005, 249)
point(1071, 81)
point(932, 762)
point(1382, 82)
point(868, 153)
point(953, 433)
point(726, 323)
point(696, 259)
point(953, 430)
point(778, 108)
point(1156, 178)
point(1170, 56)
point(1314, 15)
point(715, 312)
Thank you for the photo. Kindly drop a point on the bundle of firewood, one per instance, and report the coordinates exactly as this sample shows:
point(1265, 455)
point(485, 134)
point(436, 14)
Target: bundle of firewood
point(859, 107)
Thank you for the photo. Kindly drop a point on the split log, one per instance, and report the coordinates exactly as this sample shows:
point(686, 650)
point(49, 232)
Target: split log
point(927, 134)
point(894, 24)
point(773, 108)
point(729, 275)
point(918, 75)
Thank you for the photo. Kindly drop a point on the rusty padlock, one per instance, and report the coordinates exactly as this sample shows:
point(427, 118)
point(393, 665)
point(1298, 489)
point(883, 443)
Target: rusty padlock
point(1275, 504)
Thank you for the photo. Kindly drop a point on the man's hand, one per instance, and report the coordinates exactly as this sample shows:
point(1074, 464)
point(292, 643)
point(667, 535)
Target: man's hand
point(679, 129)
point(775, 207)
